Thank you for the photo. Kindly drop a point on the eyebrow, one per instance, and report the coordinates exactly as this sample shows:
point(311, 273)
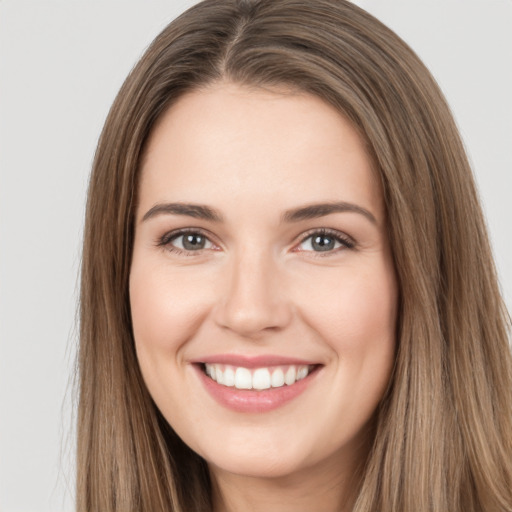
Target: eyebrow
point(313, 211)
point(198, 211)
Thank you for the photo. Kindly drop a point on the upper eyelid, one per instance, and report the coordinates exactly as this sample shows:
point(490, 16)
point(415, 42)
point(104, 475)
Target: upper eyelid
point(174, 234)
point(329, 232)
point(171, 235)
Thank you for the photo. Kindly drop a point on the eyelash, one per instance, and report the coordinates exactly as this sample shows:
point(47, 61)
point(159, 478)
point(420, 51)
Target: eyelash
point(344, 240)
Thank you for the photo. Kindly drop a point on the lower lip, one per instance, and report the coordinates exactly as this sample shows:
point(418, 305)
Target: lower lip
point(247, 400)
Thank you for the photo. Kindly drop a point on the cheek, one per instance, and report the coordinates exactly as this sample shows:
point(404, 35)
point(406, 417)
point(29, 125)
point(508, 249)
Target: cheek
point(358, 323)
point(166, 308)
point(355, 315)
point(166, 312)
point(354, 308)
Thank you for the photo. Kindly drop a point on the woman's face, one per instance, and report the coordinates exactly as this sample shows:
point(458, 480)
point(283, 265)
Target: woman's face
point(261, 257)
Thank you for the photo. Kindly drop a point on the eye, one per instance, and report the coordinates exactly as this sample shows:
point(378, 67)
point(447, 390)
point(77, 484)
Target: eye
point(185, 241)
point(325, 241)
point(319, 241)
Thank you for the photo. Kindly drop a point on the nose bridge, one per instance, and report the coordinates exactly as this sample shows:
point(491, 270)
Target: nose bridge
point(254, 298)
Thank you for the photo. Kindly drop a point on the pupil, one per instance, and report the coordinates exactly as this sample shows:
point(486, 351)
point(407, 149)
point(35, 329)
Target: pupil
point(193, 242)
point(323, 243)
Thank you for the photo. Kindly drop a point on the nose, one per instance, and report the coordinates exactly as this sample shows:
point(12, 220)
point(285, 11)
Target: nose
point(253, 300)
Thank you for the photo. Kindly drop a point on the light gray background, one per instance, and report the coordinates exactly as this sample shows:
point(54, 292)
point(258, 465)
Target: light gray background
point(61, 64)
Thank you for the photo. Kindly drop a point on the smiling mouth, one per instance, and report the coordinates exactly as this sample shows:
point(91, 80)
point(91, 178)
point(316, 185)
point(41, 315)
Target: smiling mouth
point(258, 379)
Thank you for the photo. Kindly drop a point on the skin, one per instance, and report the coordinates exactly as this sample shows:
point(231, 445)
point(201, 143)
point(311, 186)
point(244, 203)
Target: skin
point(259, 286)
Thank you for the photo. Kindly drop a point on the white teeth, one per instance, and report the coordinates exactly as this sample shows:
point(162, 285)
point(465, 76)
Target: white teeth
point(291, 373)
point(259, 378)
point(243, 378)
point(277, 378)
point(302, 372)
point(229, 377)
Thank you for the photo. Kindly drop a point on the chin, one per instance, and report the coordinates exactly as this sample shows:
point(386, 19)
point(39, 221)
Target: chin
point(257, 466)
point(261, 458)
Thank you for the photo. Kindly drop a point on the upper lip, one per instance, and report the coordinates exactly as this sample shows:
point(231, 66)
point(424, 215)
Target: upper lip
point(253, 361)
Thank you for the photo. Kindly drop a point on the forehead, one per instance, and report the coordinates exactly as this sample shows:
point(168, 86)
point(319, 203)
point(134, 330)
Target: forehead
point(275, 147)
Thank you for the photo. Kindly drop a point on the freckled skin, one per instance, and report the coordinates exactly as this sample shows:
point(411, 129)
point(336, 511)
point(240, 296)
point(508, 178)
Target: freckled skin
point(259, 288)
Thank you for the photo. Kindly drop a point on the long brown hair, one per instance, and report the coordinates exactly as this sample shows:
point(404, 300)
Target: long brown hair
point(443, 437)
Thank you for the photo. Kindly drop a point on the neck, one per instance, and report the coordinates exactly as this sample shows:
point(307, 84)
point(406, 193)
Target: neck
point(326, 488)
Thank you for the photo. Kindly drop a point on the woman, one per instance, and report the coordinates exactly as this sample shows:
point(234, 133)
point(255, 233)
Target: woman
point(288, 296)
